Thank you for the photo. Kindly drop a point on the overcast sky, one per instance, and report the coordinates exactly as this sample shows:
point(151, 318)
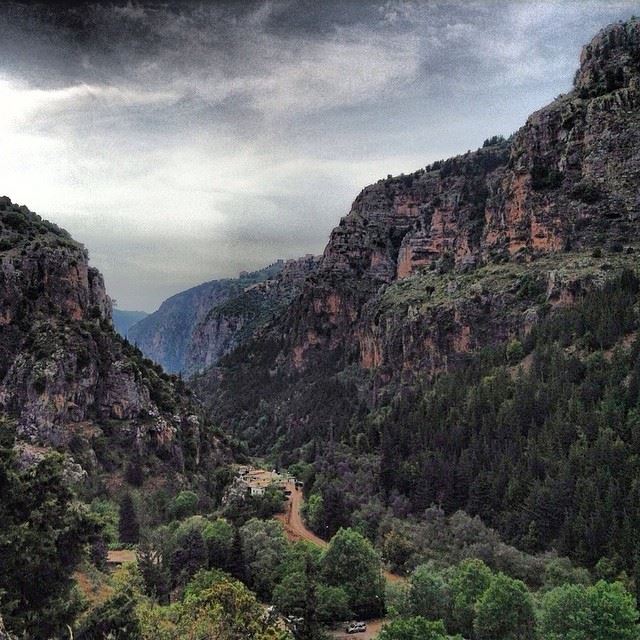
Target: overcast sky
point(183, 142)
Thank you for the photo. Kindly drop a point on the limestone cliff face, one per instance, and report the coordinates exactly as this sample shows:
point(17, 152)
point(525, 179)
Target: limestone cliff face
point(566, 181)
point(465, 253)
point(193, 330)
point(66, 379)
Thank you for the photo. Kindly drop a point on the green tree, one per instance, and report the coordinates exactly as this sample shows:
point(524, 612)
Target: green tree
point(333, 604)
point(560, 571)
point(428, 593)
point(106, 512)
point(604, 611)
point(505, 611)
point(114, 618)
point(43, 534)
point(515, 352)
point(218, 537)
point(351, 562)
point(154, 570)
point(398, 549)
point(184, 504)
point(189, 556)
point(416, 628)
point(289, 595)
point(128, 527)
point(313, 511)
point(226, 610)
point(265, 551)
point(467, 582)
point(310, 629)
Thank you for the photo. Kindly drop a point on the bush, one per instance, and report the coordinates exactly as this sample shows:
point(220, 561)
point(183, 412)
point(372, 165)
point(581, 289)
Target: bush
point(543, 178)
point(184, 504)
point(114, 618)
point(515, 352)
point(413, 629)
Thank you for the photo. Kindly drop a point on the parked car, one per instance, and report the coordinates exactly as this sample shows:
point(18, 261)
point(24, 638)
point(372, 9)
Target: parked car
point(356, 627)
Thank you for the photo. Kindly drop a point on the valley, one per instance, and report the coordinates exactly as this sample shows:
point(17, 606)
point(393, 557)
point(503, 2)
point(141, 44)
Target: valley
point(434, 426)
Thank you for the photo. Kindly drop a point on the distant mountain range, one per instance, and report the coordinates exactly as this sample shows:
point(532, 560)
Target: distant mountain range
point(123, 320)
point(194, 329)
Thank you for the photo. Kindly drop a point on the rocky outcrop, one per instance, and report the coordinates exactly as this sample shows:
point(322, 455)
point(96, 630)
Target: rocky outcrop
point(193, 330)
point(66, 379)
point(464, 253)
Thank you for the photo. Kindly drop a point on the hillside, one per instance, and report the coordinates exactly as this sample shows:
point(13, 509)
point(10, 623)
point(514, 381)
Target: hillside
point(471, 255)
point(68, 381)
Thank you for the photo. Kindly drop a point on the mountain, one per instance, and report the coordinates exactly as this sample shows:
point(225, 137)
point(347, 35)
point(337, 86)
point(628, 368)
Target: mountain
point(68, 381)
point(193, 329)
point(478, 276)
point(123, 320)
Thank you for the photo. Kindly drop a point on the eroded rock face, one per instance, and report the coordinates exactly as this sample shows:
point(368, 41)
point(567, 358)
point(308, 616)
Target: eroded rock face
point(183, 335)
point(66, 379)
point(465, 253)
point(568, 180)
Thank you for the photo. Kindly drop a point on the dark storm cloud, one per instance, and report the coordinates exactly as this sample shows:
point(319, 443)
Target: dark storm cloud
point(183, 141)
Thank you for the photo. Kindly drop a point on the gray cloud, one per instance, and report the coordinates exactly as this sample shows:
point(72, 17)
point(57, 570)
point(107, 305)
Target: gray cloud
point(186, 141)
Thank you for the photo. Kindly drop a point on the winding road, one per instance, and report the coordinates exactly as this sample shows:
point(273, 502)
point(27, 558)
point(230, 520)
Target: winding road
point(292, 521)
point(296, 530)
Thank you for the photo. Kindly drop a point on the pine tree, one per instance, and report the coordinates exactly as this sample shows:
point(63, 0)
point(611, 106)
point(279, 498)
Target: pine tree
point(129, 527)
point(236, 560)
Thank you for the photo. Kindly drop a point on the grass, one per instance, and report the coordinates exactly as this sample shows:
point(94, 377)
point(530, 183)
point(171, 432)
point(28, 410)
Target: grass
point(528, 281)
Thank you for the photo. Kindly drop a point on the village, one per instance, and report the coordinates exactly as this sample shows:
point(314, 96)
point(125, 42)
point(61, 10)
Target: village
point(254, 482)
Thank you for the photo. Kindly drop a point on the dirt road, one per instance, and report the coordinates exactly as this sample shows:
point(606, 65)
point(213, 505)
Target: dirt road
point(296, 530)
point(292, 519)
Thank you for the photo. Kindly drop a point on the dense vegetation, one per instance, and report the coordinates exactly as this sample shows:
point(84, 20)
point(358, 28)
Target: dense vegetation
point(471, 601)
point(538, 437)
point(43, 535)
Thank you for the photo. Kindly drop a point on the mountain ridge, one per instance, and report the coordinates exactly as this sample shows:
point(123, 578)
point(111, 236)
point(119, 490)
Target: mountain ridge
point(68, 381)
point(555, 186)
point(193, 329)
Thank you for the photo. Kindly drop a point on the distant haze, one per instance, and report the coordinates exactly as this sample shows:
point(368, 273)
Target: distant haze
point(186, 141)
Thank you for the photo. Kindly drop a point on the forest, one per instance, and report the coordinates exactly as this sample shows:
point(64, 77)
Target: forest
point(538, 437)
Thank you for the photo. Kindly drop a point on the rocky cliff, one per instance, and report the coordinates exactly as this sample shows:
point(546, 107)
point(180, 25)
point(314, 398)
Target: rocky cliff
point(465, 253)
point(67, 381)
point(236, 319)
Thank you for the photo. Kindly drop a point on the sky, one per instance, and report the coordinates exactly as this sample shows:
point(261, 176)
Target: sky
point(186, 141)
